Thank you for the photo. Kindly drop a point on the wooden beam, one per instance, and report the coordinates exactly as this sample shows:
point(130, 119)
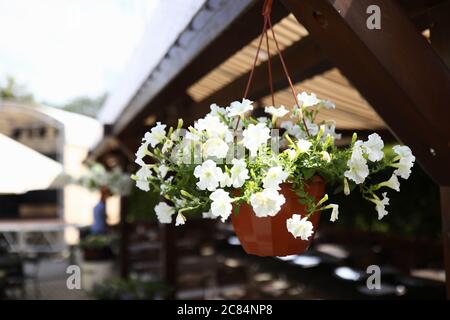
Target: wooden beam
point(439, 38)
point(169, 258)
point(232, 27)
point(304, 59)
point(445, 210)
point(177, 108)
point(416, 8)
point(394, 68)
point(124, 230)
point(440, 32)
point(425, 13)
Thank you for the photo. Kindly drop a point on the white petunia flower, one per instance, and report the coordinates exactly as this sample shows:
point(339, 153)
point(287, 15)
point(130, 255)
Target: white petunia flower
point(291, 154)
point(274, 177)
point(406, 161)
point(328, 104)
point(216, 110)
point(176, 135)
point(180, 219)
point(307, 100)
point(330, 130)
point(167, 145)
point(262, 119)
point(215, 147)
point(209, 175)
point(326, 156)
point(404, 169)
point(267, 202)
point(380, 205)
point(192, 136)
point(357, 165)
point(239, 172)
point(292, 129)
point(255, 136)
point(142, 176)
point(221, 205)
point(392, 183)
point(299, 227)
point(141, 153)
point(334, 211)
point(214, 128)
point(303, 145)
point(156, 134)
point(403, 151)
point(164, 212)
point(313, 128)
point(208, 215)
point(276, 112)
point(226, 180)
point(237, 108)
point(163, 169)
point(373, 147)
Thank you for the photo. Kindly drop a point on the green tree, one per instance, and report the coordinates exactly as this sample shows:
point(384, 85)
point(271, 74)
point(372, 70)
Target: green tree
point(12, 91)
point(85, 105)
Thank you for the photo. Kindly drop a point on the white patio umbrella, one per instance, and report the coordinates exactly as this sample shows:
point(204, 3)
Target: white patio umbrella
point(23, 169)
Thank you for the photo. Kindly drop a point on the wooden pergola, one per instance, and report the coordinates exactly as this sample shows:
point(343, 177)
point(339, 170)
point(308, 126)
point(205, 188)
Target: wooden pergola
point(403, 76)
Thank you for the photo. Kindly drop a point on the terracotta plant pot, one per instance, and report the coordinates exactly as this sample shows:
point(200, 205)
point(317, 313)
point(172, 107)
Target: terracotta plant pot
point(269, 236)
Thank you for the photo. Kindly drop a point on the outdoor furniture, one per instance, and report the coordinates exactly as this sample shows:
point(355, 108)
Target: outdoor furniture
point(34, 236)
point(28, 242)
point(12, 278)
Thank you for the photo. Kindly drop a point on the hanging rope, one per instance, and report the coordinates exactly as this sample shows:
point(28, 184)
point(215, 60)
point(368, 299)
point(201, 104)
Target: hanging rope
point(294, 94)
point(266, 12)
point(269, 69)
point(250, 77)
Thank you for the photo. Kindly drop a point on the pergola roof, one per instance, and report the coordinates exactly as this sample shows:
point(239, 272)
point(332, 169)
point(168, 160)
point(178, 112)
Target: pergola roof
point(288, 30)
point(353, 111)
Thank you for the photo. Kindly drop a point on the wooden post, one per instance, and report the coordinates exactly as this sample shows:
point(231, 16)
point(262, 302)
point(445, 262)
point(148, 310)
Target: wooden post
point(124, 235)
point(445, 209)
point(439, 38)
point(168, 258)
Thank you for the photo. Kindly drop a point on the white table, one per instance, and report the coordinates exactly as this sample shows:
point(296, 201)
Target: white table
point(20, 235)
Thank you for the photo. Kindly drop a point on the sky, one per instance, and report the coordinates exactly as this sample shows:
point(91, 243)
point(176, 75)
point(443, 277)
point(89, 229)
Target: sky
point(62, 49)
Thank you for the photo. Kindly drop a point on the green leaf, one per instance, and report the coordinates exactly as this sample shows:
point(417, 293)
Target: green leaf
point(303, 201)
point(236, 208)
point(308, 173)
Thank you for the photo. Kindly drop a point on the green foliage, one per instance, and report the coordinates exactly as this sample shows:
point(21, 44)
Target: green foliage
point(85, 105)
point(140, 205)
point(414, 211)
point(119, 289)
point(98, 241)
point(115, 180)
point(10, 90)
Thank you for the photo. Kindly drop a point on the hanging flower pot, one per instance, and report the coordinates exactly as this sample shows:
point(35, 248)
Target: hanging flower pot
point(268, 236)
point(272, 169)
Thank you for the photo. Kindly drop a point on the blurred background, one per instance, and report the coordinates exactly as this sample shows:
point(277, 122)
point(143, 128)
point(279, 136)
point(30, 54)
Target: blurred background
point(82, 81)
